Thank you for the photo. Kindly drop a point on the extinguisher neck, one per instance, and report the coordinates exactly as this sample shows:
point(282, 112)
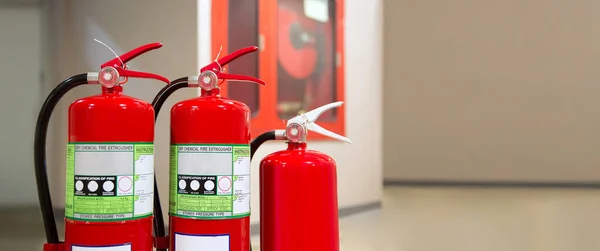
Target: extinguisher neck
point(297, 146)
point(216, 92)
point(115, 90)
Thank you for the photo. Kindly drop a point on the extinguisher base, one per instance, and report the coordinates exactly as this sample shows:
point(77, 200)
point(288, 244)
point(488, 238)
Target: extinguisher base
point(54, 246)
point(161, 243)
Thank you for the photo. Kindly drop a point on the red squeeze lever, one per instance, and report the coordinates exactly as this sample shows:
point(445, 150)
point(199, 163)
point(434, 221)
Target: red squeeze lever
point(115, 68)
point(215, 69)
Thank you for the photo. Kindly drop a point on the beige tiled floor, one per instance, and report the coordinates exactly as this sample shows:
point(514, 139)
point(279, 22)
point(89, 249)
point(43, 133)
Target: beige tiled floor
point(427, 219)
point(432, 219)
point(477, 219)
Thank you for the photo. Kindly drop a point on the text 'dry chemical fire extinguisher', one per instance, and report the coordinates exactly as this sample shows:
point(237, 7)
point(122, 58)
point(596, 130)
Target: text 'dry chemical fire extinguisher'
point(209, 206)
point(292, 215)
point(110, 163)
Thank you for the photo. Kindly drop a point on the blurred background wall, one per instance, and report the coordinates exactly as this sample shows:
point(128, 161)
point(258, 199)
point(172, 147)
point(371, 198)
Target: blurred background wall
point(21, 53)
point(502, 91)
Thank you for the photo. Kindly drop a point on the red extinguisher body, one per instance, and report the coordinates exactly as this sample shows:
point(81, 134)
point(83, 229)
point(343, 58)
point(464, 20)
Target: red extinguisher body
point(298, 201)
point(110, 173)
point(210, 174)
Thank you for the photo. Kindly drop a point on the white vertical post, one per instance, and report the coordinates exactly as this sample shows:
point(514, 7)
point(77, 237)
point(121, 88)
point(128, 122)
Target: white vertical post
point(204, 34)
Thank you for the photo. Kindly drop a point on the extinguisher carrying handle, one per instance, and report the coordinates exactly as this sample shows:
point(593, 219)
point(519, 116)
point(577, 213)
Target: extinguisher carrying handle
point(139, 74)
point(119, 63)
point(218, 64)
point(240, 78)
point(307, 120)
point(216, 67)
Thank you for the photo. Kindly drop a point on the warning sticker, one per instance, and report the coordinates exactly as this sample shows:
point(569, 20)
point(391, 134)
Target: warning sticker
point(185, 242)
point(124, 247)
point(109, 181)
point(210, 181)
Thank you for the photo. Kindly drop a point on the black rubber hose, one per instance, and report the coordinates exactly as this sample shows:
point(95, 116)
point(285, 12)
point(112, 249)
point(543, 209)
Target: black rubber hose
point(255, 144)
point(157, 103)
point(258, 141)
point(39, 153)
point(165, 92)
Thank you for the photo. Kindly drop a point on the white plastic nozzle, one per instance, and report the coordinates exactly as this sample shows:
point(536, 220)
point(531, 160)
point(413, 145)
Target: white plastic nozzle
point(308, 121)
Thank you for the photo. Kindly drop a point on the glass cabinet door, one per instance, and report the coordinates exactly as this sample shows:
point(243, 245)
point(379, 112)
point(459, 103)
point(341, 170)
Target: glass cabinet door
point(306, 68)
point(243, 32)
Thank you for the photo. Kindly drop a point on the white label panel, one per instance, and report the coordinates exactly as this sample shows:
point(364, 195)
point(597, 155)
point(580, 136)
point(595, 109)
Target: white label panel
point(202, 242)
point(205, 163)
point(103, 163)
point(126, 247)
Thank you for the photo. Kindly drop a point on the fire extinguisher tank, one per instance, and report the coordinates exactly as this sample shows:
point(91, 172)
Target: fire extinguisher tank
point(109, 123)
point(202, 130)
point(299, 200)
point(298, 190)
point(209, 203)
point(110, 162)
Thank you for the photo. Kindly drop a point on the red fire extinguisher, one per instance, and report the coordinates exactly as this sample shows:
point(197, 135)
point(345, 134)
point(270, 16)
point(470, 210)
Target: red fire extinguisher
point(209, 204)
point(110, 163)
point(298, 190)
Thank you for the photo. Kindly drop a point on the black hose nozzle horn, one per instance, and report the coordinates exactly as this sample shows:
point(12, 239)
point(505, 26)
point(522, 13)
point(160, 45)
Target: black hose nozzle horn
point(258, 141)
point(255, 144)
point(157, 103)
point(39, 153)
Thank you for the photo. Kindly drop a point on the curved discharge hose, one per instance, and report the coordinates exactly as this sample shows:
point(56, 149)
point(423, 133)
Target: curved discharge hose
point(39, 153)
point(157, 103)
point(256, 143)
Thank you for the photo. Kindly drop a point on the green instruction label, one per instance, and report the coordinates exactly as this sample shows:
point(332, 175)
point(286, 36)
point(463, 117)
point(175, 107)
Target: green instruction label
point(210, 181)
point(109, 182)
